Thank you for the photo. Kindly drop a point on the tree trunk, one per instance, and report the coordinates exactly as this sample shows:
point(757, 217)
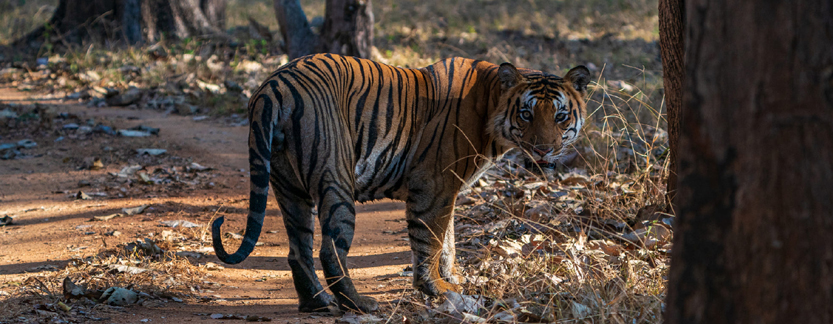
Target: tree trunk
point(671, 24)
point(295, 29)
point(753, 239)
point(127, 21)
point(347, 29)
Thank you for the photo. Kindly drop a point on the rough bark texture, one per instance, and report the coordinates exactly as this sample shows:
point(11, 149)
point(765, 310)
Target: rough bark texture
point(295, 29)
point(347, 29)
point(753, 240)
point(127, 21)
point(74, 21)
point(671, 26)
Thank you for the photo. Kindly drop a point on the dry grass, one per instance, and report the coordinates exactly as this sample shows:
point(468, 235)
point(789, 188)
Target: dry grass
point(579, 246)
point(615, 38)
point(19, 17)
point(588, 244)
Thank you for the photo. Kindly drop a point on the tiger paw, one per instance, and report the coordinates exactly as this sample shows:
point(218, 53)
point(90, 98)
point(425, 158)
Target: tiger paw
point(363, 304)
point(319, 303)
point(436, 287)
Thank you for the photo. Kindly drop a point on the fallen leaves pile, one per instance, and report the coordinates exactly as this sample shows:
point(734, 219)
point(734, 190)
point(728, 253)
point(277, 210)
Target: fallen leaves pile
point(151, 180)
point(145, 272)
point(568, 246)
point(188, 78)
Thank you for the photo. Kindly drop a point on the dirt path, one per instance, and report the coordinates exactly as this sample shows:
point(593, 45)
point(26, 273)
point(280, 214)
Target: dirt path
point(51, 227)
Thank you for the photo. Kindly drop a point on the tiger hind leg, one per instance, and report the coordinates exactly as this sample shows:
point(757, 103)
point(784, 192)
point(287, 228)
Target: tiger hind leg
point(337, 216)
point(296, 208)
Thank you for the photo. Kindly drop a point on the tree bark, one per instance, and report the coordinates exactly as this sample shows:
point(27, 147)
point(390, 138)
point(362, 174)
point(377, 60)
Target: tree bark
point(671, 26)
point(347, 29)
point(295, 29)
point(127, 21)
point(753, 239)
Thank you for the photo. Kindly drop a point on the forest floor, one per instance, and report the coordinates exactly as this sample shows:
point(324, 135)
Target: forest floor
point(585, 243)
point(51, 227)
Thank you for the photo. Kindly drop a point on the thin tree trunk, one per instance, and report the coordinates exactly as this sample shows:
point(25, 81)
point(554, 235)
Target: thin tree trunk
point(215, 12)
point(753, 240)
point(132, 21)
point(297, 34)
point(348, 28)
point(671, 25)
point(190, 20)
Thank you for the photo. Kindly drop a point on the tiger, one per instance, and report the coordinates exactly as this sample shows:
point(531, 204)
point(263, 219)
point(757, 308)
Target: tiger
point(328, 130)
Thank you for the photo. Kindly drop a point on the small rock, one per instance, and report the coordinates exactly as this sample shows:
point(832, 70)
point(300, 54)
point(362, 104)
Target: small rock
point(124, 99)
point(89, 76)
point(196, 167)
point(132, 133)
point(128, 171)
point(97, 164)
point(73, 291)
point(456, 303)
point(182, 223)
point(84, 130)
point(143, 128)
point(6, 220)
point(104, 129)
point(134, 210)
point(234, 236)
point(83, 196)
point(107, 92)
point(26, 143)
point(151, 151)
point(249, 66)
point(78, 95)
point(119, 296)
point(107, 217)
point(7, 113)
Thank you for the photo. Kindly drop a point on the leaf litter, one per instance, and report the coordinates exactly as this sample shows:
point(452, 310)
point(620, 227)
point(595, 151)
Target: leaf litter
point(148, 272)
point(538, 246)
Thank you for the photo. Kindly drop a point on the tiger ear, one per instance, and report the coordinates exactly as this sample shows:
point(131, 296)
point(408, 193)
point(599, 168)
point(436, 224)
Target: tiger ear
point(579, 76)
point(508, 76)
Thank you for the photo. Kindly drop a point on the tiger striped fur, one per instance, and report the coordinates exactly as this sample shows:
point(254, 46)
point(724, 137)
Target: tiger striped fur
point(329, 130)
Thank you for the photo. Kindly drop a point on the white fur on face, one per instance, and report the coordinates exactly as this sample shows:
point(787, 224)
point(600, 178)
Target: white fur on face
point(570, 135)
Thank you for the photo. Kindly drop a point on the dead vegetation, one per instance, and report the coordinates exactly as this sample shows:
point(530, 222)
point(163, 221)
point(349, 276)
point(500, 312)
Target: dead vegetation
point(585, 243)
point(148, 272)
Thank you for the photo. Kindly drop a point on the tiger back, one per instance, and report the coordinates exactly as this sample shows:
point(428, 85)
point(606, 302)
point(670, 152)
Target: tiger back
point(328, 130)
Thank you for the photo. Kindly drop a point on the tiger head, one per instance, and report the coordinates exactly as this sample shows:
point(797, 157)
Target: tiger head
point(539, 112)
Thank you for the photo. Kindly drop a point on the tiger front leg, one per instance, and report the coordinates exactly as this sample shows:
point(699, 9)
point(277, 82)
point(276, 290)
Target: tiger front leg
point(448, 264)
point(428, 233)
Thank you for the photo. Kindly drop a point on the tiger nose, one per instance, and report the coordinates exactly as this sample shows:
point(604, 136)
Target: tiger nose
point(542, 149)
